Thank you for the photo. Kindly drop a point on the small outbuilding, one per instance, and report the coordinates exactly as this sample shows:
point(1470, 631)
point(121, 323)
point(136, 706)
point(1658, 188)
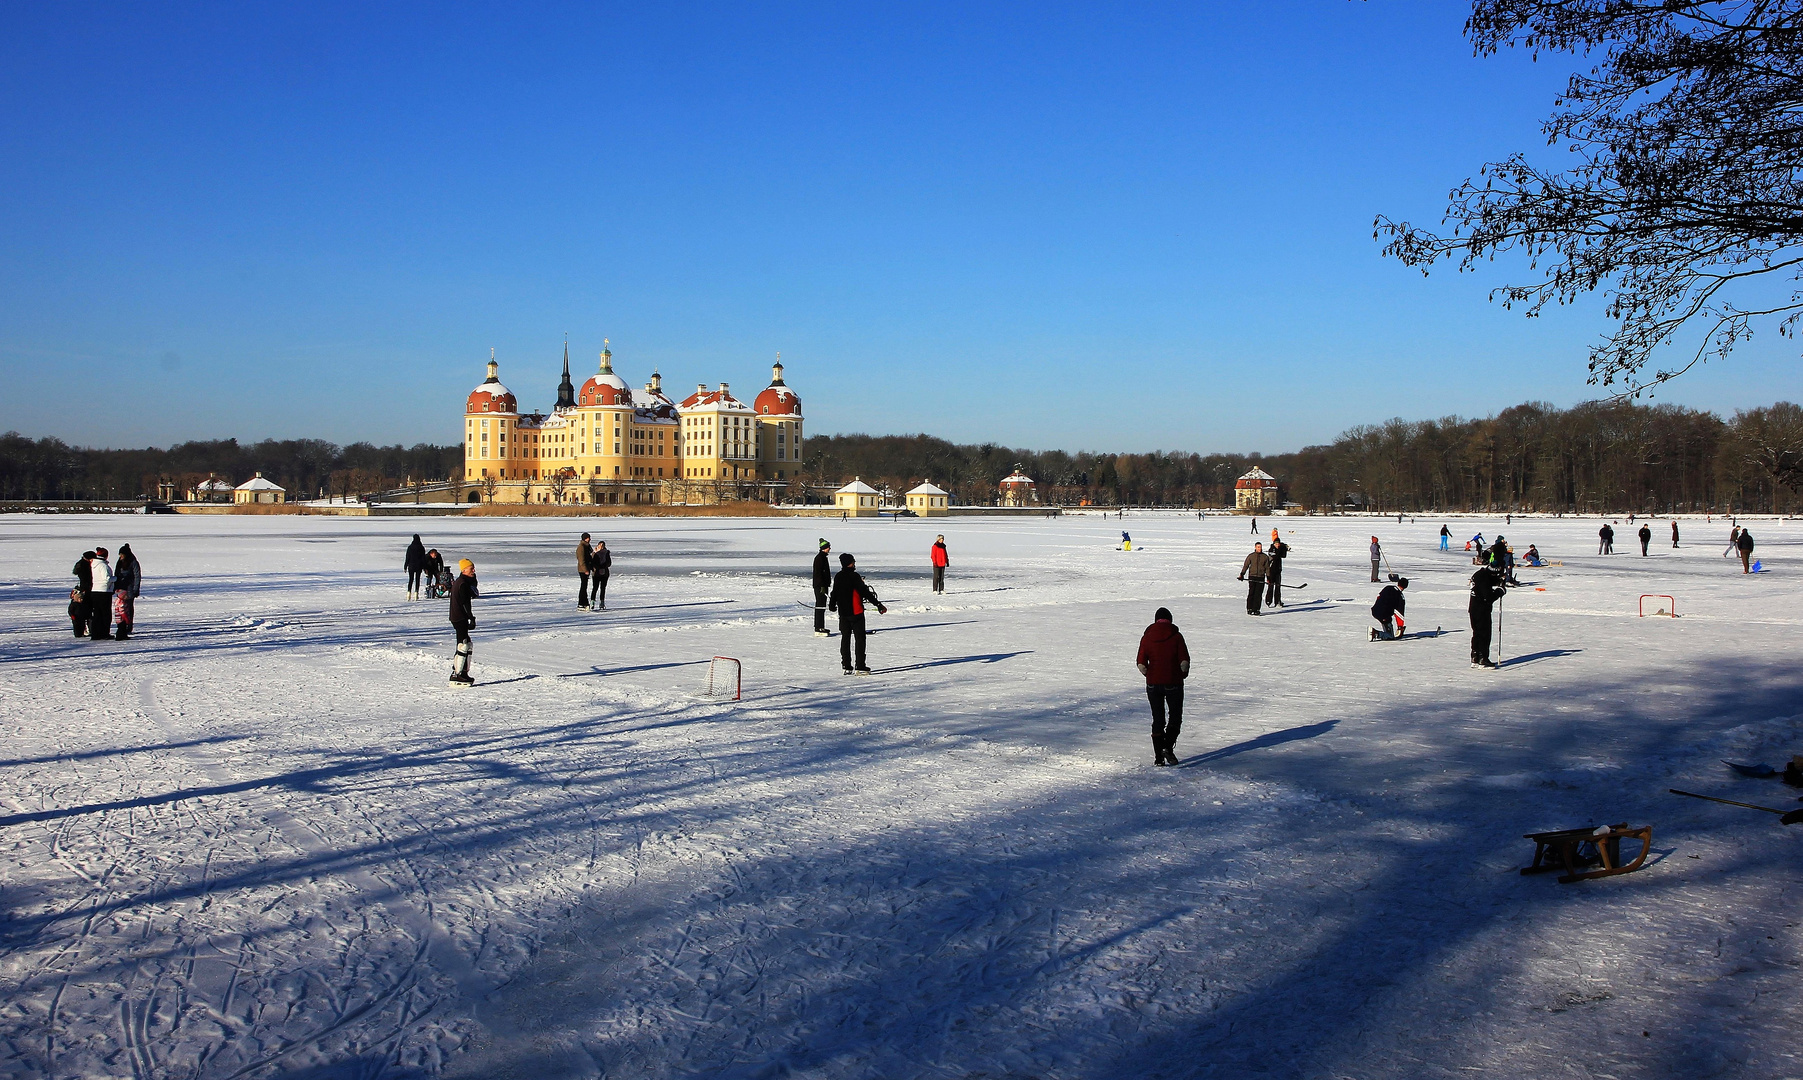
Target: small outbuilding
point(210, 490)
point(1018, 489)
point(929, 501)
point(1256, 491)
point(259, 490)
point(858, 499)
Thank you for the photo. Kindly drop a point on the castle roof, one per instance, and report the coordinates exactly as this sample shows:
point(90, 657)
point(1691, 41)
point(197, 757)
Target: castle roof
point(777, 399)
point(604, 387)
point(721, 399)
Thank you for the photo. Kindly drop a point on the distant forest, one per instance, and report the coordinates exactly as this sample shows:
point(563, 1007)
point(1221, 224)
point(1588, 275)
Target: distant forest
point(1598, 456)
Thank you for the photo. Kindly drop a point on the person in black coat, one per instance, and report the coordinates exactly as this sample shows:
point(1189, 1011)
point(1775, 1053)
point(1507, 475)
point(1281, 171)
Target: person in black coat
point(850, 598)
point(415, 565)
point(463, 620)
point(601, 566)
point(127, 577)
point(1745, 546)
point(823, 581)
point(1390, 604)
point(1605, 540)
point(1486, 589)
point(83, 595)
point(585, 565)
point(1274, 576)
point(1646, 537)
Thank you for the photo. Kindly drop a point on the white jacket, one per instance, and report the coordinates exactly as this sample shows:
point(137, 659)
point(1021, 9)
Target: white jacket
point(103, 575)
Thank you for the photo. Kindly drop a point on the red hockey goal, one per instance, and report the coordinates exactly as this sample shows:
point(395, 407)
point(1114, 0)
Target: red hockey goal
point(724, 679)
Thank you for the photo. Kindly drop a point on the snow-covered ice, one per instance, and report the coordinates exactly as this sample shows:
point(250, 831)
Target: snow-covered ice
point(266, 839)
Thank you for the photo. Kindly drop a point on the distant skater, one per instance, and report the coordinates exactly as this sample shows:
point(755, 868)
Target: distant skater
point(1674, 532)
point(1253, 572)
point(1274, 576)
point(1445, 537)
point(1646, 538)
point(1744, 545)
point(600, 568)
point(1486, 589)
point(1377, 555)
point(823, 581)
point(1164, 660)
point(851, 597)
point(940, 561)
point(463, 620)
point(415, 565)
point(1388, 610)
point(1605, 540)
point(585, 565)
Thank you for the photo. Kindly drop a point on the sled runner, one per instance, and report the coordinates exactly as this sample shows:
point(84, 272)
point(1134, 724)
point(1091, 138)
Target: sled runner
point(1576, 851)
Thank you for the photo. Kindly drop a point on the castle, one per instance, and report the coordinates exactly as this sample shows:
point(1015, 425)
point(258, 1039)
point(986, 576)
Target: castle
point(609, 444)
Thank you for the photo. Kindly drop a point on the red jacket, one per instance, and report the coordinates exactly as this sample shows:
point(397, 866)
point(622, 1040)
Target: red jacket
point(1164, 653)
point(939, 558)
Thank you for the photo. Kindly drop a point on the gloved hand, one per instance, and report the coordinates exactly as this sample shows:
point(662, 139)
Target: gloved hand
point(881, 610)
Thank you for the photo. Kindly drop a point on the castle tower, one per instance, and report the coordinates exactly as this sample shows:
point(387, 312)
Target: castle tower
point(566, 390)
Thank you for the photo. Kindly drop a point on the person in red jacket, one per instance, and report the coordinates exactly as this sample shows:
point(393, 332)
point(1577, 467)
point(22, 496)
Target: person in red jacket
point(1164, 661)
point(940, 561)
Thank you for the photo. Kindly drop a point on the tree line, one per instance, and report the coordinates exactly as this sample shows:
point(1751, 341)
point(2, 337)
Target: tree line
point(1601, 456)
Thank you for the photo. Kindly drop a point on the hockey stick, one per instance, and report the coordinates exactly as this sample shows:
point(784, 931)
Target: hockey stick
point(1787, 817)
point(1304, 585)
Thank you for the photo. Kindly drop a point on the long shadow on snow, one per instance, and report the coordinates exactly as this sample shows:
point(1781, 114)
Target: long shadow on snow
point(1265, 741)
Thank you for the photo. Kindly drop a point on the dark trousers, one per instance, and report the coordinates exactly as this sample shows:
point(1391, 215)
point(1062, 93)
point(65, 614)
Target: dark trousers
point(1164, 732)
point(820, 608)
point(851, 634)
point(938, 579)
point(1480, 631)
point(413, 580)
point(598, 589)
point(1274, 586)
point(100, 615)
point(1255, 591)
point(582, 591)
point(1643, 545)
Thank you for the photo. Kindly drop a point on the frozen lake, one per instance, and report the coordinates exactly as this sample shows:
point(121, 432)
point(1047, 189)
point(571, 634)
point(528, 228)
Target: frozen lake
point(264, 838)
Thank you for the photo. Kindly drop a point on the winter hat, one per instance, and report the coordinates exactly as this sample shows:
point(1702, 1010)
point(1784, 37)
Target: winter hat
point(87, 554)
point(845, 559)
point(100, 552)
point(465, 566)
point(823, 544)
point(1163, 614)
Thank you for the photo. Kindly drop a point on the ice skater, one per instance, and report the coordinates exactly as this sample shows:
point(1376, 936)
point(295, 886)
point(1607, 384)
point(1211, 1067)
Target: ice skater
point(1445, 537)
point(415, 565)
point(940, 561)
point(1274, 576)
point(1164, 660)
point(463, 620)
point(850, 598)
point(1388, 611)
point(1253, 572)
point(1486, 589)
point(823, 581)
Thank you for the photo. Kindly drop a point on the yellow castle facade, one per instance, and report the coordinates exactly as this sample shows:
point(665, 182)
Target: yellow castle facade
point(610, 444)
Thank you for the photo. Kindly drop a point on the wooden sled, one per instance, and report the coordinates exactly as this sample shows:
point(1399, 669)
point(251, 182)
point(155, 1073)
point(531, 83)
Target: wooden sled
point(1576, 850)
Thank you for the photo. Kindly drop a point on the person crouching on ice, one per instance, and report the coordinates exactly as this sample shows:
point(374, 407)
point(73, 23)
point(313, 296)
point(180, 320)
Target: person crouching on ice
point(1164, 661)
point(1388, 610)
point(463, 620)
point(850, 596)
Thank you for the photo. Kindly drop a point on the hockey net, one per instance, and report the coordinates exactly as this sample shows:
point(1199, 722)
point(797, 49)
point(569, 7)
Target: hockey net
point(723, 679)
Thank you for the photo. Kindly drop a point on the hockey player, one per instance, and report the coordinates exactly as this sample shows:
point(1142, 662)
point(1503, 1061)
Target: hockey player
point(1646, 537)
point(1486, 589)
point(1388, 610)
point(1253, 571)
point(463, 620)
point(1274, 576)
point(1164, 660)
point(1377, 554)
point(850, 597)
point(823, 581)
point(940, 561)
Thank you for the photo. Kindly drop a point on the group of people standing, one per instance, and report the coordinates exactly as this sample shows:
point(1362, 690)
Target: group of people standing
point(103, 603)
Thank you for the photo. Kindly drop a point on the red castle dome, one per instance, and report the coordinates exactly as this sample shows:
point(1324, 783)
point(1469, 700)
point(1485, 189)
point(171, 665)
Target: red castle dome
point(491, 396)
point(604, 387)
point(777, 399)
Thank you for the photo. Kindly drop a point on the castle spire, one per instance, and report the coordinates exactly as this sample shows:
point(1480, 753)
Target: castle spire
point(607, 358)
point(494, 368)
point(566, 391)
point(776, 371)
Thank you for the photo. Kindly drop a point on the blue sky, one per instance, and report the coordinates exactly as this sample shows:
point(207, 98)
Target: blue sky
point(1106, 227)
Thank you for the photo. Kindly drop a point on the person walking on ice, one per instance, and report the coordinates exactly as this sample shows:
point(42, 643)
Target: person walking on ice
point(1377, 554)
point(1486, 589)
point(1253, 571)
point(850, 598)
point(940, 561)
point(1388, 610)
point(1646, 537)
point(463, 620)
point(1744, 545)
point(823, 582)
point(1164, 661)
point(415, 565)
